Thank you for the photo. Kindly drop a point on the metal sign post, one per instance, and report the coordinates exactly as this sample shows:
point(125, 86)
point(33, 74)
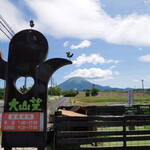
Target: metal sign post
point(130, 97)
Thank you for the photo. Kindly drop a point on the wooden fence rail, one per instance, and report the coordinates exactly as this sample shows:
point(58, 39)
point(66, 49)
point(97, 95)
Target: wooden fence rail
point(102, 132)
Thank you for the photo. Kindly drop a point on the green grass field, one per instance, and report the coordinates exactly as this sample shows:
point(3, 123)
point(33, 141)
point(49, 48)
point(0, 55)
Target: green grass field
point(120, 143)
point(106, 98)
point(140, 99)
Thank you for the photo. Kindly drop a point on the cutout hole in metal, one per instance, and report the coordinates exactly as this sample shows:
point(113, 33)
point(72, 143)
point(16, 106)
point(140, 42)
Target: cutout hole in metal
point(24, 84)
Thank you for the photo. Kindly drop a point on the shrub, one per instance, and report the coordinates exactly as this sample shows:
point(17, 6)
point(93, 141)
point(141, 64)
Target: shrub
point(70, 93)
point(94, 91)
point(87, 92)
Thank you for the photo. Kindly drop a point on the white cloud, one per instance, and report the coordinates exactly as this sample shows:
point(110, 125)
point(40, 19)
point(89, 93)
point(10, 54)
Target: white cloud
point(116, 73)
point(66, 44)
point(92, 73)
point(147, 1)
point(145, 58)
point(93, 59)
point(83, 44)
point(135, 80)
point(140, 48)
point(148, 77)
point(13, 16)
point(142, 81)
point(86, 19)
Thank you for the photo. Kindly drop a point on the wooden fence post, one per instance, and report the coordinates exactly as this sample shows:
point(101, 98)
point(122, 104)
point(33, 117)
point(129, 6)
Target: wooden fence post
point(7, 148)
point(124, 132)
point(57, 113)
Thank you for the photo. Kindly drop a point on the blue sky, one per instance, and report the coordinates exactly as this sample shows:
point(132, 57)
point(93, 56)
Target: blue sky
point(110, 39)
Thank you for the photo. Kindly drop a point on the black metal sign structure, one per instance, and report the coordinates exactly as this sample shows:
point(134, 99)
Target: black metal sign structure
point(27, 53)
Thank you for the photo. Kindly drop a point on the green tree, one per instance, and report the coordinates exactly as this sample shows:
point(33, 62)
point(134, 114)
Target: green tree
point(70, 93)
point(94, 91)
point(55, 91)
point(50, 91)
point(87, 92)
point(1, 93)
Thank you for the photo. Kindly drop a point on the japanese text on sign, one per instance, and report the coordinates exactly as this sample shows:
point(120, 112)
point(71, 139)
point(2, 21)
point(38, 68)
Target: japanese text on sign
point(25, 106)
point(22, 121)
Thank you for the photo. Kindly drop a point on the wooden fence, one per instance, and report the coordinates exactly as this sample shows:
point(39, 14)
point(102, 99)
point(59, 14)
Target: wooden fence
point(100, 110)
point(114, 110)
point(102, 132)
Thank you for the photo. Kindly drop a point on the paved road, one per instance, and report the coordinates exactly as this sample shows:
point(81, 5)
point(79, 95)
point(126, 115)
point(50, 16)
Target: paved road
point(54, 105)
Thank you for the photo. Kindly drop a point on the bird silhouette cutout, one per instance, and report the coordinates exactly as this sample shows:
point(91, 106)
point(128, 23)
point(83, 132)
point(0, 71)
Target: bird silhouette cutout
point(69, 55)
point(31, 23)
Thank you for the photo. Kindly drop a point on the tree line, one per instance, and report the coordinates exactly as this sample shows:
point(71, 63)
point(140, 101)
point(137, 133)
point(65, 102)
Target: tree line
point(92, 92)
point(1, 93)
point(57, 91)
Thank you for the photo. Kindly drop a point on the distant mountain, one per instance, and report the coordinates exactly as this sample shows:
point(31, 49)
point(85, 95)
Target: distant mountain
point(80, 84)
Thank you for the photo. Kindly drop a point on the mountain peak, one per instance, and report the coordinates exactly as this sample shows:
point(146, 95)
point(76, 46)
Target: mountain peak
point(80, 84)
point(76, 79)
